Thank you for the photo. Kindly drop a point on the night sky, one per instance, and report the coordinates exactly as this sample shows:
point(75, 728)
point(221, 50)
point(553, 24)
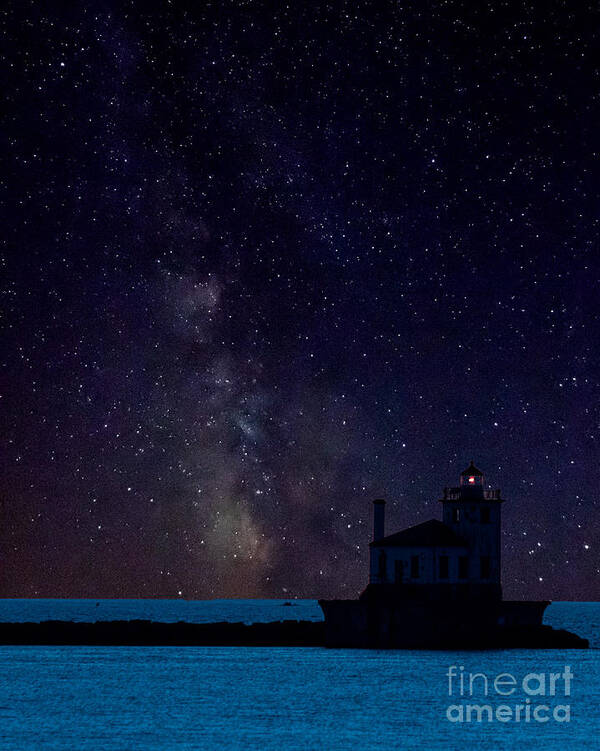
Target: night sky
point(262, 263)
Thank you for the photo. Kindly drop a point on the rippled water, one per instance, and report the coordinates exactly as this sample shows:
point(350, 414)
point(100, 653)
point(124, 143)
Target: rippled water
point(155, 698)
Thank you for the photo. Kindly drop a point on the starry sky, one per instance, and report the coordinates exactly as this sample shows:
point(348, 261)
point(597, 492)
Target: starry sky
point(264, 262)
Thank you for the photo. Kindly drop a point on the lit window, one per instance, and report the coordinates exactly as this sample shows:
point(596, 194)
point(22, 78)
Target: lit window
point(471, 480)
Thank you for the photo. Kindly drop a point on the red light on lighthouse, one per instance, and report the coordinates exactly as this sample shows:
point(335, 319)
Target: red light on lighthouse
point(471, 480)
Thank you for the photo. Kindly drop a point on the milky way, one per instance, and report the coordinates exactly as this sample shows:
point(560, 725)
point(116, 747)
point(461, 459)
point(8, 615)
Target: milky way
point(265, 262)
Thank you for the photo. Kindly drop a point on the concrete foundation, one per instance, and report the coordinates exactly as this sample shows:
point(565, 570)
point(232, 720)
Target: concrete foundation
point(381, 618)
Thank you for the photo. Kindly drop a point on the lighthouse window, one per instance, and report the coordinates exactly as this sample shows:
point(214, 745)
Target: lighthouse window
point(485, 515)
point(485, 567)
point(455, 515)
point(443, 566)
point(414, 566)
point(463, 567)
point(398, 572)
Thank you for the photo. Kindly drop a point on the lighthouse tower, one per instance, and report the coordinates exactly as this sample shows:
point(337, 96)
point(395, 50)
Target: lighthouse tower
point(474, 513)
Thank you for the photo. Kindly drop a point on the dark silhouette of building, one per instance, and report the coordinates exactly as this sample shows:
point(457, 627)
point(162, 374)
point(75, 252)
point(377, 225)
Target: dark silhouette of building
point(436, 583)
point(460, 553)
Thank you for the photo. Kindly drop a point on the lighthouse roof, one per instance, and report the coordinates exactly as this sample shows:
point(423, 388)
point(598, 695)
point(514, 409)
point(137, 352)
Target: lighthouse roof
point(471, 471)
point(433, 533)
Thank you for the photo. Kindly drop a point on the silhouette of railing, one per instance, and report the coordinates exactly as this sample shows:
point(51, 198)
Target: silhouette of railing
point(455, 494)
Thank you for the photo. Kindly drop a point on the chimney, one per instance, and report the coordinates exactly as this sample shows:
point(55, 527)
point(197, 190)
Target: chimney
point(378, 519)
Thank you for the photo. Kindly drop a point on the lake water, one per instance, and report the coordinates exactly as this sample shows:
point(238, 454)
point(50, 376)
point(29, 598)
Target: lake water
point(155, 698)
point(168, 611)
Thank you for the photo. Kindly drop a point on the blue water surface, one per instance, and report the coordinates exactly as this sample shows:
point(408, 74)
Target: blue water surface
point(167, 611)
point(155, 698)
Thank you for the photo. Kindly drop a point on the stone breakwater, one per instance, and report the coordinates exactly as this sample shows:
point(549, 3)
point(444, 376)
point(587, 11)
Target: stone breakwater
point(275, 634)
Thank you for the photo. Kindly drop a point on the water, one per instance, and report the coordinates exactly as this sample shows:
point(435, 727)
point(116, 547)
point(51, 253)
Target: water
point(155, 698)
point(167, 611)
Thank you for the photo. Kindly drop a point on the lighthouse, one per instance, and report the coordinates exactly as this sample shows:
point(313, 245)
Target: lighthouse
point(457, 556)
point(437, 584)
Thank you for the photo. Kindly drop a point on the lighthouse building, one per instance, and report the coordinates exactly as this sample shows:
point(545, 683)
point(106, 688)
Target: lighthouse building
point(437, 583)
point(459, 554)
